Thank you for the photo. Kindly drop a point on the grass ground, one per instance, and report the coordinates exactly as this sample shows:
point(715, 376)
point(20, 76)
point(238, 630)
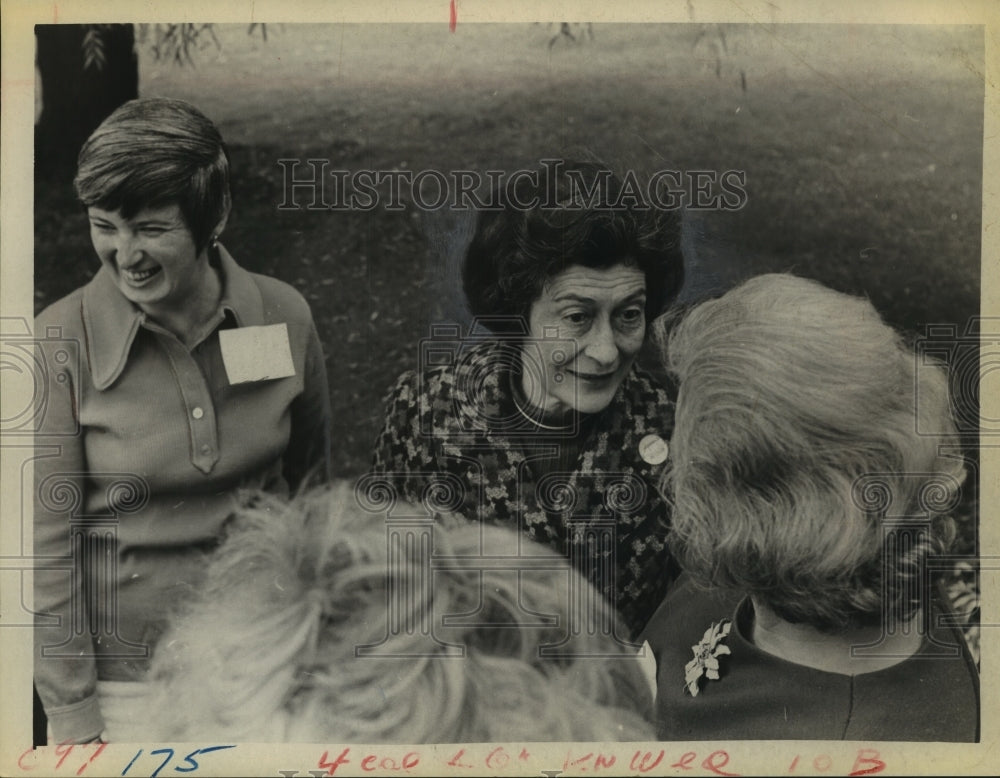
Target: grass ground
point(861, 147)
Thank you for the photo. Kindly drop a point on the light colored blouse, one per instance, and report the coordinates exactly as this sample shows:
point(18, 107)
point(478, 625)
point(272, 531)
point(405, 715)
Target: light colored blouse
point(142, 448)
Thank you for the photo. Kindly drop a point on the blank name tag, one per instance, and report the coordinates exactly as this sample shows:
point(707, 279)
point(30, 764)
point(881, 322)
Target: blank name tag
point(256, 353)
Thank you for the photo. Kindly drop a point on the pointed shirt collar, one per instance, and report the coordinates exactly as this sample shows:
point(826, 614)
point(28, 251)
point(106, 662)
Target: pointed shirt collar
point(111, 321)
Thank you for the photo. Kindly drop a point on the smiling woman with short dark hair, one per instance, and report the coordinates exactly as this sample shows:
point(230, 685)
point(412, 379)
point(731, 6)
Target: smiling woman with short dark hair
point(175, 378)
point(547, 424)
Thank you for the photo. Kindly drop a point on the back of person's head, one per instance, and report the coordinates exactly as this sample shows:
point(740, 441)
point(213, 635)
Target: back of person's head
point(315, 625)
point(802, 469)
point(153, 152)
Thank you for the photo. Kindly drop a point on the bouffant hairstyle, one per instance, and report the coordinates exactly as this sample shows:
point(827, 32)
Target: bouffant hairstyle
point(290, 638)
point(153, 152)
point(561, 215)
point(802, 470)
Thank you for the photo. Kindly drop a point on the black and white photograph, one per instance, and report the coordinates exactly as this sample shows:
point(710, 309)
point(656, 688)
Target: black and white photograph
point(553, 389)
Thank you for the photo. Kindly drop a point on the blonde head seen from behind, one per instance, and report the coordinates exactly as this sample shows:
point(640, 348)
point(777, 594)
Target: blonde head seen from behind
point(792, 398)
point(268, 651)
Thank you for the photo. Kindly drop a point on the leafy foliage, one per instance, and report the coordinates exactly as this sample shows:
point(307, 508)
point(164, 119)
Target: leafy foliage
point(176, 42)
point(94, 56)
point(167, 42)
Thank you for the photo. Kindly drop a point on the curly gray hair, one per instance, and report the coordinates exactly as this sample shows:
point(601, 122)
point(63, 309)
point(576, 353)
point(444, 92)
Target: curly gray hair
point(799, 473)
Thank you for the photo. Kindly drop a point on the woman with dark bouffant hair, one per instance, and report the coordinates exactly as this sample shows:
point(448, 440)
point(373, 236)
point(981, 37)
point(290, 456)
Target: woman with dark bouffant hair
point(810, 489)
point(542, 421)
point(175, 378)
point(318, 623)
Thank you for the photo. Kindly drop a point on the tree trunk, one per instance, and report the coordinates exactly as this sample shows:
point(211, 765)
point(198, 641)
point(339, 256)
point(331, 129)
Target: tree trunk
point(75, 99)
point(78, 95)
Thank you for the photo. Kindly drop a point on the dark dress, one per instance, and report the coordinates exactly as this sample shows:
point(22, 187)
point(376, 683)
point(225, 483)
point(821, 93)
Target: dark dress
point(931, 696)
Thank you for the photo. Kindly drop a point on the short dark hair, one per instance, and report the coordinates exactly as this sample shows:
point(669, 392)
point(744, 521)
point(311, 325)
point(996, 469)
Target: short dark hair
point(157, 151)
point(515, 249)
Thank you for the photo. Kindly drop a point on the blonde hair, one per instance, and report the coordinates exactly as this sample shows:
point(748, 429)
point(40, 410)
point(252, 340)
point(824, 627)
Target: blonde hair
point(272, 647)
point(799, 474)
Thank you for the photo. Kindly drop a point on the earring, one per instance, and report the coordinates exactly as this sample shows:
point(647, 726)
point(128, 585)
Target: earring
point(214, 242)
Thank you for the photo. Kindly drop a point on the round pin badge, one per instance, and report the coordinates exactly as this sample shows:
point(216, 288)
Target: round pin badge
point(654, 450)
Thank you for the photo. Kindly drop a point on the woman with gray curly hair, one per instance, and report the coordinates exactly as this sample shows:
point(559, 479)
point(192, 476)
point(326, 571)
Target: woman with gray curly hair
point(809, 495)
point(318, 624)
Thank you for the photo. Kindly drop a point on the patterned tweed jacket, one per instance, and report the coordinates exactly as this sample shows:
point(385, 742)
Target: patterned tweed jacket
point(454, 440)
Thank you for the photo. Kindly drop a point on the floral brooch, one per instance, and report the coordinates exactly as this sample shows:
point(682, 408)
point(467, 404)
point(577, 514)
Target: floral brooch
point(706, 656)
